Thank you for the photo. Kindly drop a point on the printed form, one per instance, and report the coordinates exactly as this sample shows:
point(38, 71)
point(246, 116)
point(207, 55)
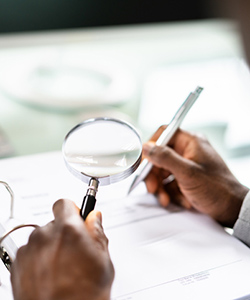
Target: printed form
point(157, 253)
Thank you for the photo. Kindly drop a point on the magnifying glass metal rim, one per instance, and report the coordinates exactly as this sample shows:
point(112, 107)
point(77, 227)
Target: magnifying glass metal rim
point(109, 179)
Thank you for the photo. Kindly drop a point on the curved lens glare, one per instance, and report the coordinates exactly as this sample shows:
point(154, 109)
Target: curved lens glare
point(101, 148)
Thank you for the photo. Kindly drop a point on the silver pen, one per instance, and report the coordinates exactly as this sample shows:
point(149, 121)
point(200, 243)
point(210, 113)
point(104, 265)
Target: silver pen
point(166, 135)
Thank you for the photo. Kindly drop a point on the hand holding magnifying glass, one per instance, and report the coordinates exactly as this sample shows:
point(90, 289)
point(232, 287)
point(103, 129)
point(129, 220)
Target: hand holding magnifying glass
point(101, 151)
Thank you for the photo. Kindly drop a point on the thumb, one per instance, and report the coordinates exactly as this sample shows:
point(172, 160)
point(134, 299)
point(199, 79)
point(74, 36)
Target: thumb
point(166, 158)
point(93, 224)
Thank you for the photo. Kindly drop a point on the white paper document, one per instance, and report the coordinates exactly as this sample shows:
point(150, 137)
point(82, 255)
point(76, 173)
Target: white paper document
point(157, 253)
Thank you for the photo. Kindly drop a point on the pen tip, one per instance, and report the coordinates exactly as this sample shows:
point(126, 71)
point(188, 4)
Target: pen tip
point(133, 185)
point(130, 189)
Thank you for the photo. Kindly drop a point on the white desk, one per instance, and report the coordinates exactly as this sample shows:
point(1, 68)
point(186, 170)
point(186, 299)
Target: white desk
point(157, 253)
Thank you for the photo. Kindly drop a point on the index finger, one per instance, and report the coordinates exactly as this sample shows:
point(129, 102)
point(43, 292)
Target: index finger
point(158, 133)
point(64, 209)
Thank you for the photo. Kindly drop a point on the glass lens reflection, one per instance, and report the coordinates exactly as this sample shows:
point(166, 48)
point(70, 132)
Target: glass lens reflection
point(102, 148)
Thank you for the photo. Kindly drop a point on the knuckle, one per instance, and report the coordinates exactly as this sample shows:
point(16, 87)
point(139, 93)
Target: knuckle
point(160, 155)
point(21, 253)
point(200, 138)
point(37, 235)
point(163, 153)
point(99, 232)
point(100, 236)
point(69, 231)
point(105, 240)
point(41, 236)
point(192, 171)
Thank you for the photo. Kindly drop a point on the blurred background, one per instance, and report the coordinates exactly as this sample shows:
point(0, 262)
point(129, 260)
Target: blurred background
point(62, 62)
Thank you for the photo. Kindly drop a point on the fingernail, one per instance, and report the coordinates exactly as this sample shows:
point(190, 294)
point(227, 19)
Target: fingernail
point(148, 148)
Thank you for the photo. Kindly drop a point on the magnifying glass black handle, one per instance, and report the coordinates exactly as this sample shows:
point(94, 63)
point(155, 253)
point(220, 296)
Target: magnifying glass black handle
point(87, 206)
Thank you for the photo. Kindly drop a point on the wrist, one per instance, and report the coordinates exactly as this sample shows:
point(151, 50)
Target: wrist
point(232, 206)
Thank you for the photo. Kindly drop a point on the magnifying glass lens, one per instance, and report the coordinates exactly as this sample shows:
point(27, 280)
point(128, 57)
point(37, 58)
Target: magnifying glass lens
point(102, 148)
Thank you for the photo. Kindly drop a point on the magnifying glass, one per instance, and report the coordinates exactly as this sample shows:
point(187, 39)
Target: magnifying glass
point(101, 151)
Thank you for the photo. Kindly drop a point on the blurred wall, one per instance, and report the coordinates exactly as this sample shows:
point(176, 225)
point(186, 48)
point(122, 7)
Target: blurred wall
point(23, 15)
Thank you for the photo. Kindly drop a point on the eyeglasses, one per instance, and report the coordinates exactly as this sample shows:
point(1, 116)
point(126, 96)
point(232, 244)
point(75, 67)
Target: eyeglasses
point(7, 253)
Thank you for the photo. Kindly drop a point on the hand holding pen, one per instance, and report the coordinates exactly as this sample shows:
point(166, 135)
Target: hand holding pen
point(202, 179)
point(167, 134)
